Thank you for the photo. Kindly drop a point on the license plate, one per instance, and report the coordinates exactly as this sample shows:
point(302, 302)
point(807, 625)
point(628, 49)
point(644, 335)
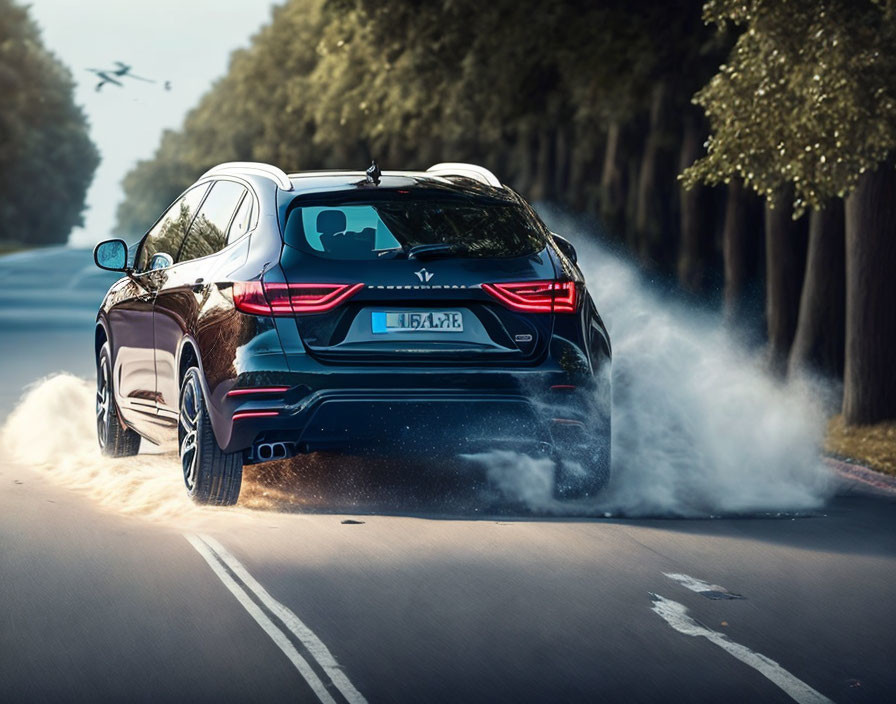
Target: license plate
point(417, 321)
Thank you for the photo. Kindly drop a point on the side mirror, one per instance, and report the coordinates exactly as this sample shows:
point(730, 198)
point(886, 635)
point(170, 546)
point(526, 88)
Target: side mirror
point(111, 255)
point(566, 247)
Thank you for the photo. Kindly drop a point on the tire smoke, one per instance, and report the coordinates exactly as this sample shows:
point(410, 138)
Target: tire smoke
point(53, 431)
point(699, 427)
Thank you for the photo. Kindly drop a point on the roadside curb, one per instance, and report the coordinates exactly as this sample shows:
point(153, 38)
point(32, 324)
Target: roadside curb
point(858, 473)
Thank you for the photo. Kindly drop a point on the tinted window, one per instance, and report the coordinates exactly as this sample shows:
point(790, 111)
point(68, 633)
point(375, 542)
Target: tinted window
point(240, 224)
point(208, 233)
point(397, 221)
point(168, 234)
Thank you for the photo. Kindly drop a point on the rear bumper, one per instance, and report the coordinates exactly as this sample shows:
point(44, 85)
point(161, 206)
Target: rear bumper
point(410, 420)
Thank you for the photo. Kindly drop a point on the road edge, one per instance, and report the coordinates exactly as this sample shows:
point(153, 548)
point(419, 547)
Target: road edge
point(857, 473)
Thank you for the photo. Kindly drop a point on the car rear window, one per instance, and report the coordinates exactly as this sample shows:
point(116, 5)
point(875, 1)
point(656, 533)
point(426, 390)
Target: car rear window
point(393, 223)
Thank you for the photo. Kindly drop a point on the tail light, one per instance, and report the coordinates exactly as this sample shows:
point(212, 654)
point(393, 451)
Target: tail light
point(536, 296)
point(290, 299)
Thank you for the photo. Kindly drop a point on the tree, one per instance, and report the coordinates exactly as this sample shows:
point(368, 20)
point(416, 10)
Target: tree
point(808, 100)
point(818, 344)
point(47, 160)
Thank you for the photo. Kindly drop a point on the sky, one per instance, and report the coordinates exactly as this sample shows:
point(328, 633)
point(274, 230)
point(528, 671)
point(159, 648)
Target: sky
point(185, 41)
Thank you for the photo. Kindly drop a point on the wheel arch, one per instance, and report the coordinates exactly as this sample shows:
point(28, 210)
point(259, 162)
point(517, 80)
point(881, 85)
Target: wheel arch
point(188, 355)
point(100, 338)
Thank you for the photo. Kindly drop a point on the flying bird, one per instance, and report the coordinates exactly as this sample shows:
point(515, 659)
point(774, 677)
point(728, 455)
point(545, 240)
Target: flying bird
point(112, 75)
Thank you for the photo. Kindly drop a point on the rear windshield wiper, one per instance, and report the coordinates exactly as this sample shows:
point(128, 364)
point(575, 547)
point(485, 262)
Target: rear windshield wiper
point(433, 251)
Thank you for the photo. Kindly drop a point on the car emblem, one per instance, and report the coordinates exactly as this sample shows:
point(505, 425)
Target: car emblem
point(423, 275)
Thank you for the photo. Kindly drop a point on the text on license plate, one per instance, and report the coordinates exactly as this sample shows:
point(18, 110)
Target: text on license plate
point(414, 321)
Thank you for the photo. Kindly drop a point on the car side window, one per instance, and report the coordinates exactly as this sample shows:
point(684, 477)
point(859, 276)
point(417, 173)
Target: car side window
point(208, 234)
point(168, 234)
point(241, 221)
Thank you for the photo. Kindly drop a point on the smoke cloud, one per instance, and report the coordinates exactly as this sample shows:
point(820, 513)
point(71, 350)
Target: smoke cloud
point(699, 427)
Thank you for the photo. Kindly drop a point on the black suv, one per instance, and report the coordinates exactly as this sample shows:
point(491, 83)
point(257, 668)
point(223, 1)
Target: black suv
point(267, 315)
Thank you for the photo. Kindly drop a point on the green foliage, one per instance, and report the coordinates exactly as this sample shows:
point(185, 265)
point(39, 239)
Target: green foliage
point(334, 83)
point(807, 97)
point(47, 160)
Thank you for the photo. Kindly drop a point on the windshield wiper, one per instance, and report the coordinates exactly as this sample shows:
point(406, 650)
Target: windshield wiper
point(433, 251)
point(393, 253)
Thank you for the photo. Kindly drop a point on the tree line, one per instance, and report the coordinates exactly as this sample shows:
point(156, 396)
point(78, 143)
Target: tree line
point(47, 159)
point(743, 147)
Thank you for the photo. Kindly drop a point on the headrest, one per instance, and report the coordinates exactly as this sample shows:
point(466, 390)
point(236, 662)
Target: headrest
point(331, 221)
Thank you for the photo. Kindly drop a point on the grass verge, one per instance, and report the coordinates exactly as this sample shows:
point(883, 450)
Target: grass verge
point(8, 247)
point(872, 445)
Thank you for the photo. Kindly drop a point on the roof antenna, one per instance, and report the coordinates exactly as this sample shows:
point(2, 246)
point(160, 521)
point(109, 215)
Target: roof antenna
point(373, 173)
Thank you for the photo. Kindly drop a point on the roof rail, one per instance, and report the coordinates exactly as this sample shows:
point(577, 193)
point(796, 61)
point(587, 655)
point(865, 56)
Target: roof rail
point(477, 173)
point(253, 168)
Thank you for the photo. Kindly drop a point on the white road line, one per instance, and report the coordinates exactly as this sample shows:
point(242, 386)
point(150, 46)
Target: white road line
point(694, 584)
point(312, 643)
point(262, 620)
point(676, 615)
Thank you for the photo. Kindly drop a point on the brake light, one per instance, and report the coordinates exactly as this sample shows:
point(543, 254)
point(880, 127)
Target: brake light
point(290, 299)
point(536, 296)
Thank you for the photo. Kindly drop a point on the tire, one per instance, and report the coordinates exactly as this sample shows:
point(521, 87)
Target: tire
point(211, 475)
point(583, 469)
point(115, 439)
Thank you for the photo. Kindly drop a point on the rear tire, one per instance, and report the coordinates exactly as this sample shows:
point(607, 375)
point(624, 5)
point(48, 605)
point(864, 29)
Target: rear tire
point(211, 475)
point(583, 471)
point(115, 439)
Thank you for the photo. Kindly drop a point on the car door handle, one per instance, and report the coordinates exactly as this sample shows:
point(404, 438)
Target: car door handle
point(198, 285)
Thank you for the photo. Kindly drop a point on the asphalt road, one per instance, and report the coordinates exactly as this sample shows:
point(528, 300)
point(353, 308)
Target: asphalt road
point(413, 603)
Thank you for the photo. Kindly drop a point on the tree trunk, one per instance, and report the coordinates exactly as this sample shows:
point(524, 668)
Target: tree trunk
point(523, 157)
point(562, 158)
point(695, 244)
point(575, 188)
point(734, 250)
point(785, 264)
point(869, 390)
point(656, 188)
point(612, 183)
point(632, 173)
point(818, 344)
point(543, 188)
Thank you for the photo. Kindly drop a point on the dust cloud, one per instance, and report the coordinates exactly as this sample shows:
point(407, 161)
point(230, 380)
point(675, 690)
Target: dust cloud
point(699, 427)
point(53, 430)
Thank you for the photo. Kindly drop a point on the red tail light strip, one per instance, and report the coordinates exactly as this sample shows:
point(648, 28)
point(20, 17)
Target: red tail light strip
point(255, 414)
point(290, 299)
point(258, 390)
point(536, 296)
point(563, 387)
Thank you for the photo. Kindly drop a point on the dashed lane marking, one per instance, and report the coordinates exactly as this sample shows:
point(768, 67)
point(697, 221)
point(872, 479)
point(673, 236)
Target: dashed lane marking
point(676, 615)
point(710, 591)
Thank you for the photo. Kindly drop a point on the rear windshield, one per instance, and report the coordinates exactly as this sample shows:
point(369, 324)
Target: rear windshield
point(396, 222)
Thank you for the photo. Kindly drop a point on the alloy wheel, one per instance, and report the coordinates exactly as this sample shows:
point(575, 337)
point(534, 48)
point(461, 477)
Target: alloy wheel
point(190, 404)
point(103, 404)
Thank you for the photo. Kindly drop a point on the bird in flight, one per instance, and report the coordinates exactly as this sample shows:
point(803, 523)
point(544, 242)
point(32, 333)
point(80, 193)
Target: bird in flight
point(122, 70)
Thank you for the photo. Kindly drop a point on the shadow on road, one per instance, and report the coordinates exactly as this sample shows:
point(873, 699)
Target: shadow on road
point(854, 522)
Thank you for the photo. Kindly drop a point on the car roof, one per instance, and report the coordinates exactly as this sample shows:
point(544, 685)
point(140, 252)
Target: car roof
point(307, 182)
